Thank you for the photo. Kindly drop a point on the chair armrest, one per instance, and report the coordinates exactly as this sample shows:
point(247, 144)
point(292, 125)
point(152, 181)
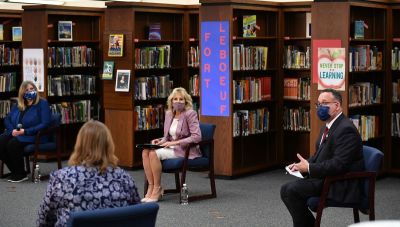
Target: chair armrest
point(202, 142)
point(347, 176)
point(48, 131)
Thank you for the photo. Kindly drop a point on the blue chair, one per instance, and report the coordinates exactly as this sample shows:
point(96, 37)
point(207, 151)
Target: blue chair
point(372, 162)
point(47, 144)
point(200, 164)
point(141, 215)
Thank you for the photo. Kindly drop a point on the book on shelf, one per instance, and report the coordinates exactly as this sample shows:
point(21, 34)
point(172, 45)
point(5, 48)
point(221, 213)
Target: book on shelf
point(250, 26)
point(9, 55)
point(395, 58)
point(16, 33)
point(308, 24)
point(76, 56)
point(108, 70)
point(367, 125)
point(155, 31)
point(149, 117)
point(155, 57)
point(146, 88)
point(116, 45)
point(359, 29)
point(395, 126)
point(290, 88)
point(65, 30)
point(1, 32)
point(250, 57)
point(296, 119)
point(8, 82)
point(364, 58)
point(5, 106)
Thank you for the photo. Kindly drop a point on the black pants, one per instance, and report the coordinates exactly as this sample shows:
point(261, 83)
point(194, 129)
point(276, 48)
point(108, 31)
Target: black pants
point(295, 194)
point(11, 153)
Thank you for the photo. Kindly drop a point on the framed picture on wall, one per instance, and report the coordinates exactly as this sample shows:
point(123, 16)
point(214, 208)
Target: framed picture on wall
point(122, 80)
point(116, 45)
point(108, 70)
point(65, 30)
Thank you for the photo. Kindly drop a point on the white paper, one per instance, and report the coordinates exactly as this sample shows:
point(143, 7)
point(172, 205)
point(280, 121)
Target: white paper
point(294, 173)
point(33, 67)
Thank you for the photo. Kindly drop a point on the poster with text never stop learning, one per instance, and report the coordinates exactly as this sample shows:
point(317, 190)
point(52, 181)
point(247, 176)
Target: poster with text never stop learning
point(215, 68)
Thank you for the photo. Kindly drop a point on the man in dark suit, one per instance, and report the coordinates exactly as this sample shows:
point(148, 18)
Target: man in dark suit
point(338, 150)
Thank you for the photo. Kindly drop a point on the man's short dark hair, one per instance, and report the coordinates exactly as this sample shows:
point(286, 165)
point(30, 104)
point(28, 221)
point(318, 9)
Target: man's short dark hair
point(335, 94)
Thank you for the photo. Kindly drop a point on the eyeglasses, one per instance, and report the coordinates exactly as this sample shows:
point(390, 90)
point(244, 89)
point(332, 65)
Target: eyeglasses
point(323, 104)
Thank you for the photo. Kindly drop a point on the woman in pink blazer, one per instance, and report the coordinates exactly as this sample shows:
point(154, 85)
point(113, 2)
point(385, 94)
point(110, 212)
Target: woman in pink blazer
point(181, 128)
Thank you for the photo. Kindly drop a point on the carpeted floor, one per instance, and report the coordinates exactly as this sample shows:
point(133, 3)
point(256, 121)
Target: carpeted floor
point(247, 201)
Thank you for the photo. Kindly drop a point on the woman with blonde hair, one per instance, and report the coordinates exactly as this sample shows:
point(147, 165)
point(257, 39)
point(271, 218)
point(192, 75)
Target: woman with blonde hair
point(181, 128)
point(91, 181)
point(25, 120)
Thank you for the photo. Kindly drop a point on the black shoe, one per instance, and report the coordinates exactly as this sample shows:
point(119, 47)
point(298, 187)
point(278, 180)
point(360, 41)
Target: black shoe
point(17, 178)
point(6, 176)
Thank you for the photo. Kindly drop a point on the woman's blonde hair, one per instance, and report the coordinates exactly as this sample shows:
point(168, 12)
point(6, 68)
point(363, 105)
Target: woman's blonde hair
point(22, 89)
point(94, 147)
point(186, 96)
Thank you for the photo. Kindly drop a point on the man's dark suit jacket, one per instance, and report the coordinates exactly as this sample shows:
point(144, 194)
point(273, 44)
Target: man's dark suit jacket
point(341, 152)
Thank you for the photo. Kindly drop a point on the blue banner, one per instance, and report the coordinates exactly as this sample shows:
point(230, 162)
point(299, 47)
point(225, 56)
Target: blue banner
point(215, 68)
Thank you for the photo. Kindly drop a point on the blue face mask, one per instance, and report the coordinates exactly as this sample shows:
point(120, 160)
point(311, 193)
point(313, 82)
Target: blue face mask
point(323, 112)
point(30, 95)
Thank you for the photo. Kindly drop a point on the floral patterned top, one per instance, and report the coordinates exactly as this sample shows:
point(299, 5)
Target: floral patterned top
point(78, 188)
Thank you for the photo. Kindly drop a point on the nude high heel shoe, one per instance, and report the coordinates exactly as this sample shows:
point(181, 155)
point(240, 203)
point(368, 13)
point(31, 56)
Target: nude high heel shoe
point(148, 193)
point(159, 197)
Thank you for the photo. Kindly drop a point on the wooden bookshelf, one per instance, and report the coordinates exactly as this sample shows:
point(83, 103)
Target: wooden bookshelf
point(393, 42)
point(296, 69)
point(10, 71)
point(341, 16)
point(242, 154)
point(76, 104)
point(179, 30)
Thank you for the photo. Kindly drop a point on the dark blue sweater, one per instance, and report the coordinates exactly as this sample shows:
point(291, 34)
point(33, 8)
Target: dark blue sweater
point(36, 118)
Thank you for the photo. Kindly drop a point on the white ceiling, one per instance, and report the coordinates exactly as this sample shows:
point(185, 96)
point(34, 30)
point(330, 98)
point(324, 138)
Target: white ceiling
point(17, 4)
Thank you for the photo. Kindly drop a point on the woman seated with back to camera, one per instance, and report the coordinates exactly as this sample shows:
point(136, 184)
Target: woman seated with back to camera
point(181, 128)
point(25, 120)
point(91, 181)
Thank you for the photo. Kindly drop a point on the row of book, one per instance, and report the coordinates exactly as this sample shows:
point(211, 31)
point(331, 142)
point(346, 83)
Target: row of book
point(365, 58)
point(296, 57)
point(149, 117)
point(395, 129)
point(157, 57)
point(396, 91)
point(247, 122)
point(296, 119)
point(367, 125)
point(193, 57)
point(251, 89)
point(250, 57)
point(5, 106)
point(61, 85)
point(395, 58)
point(77, 56)
point(75, 112)
point(152, 87)
point(9, 55)
point(194, 85)
point(8, 82)
point(364, 93)
point(296, 88)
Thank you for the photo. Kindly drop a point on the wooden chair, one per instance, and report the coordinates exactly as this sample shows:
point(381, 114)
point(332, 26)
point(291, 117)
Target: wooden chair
point(372, 161)
point(205, 163)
